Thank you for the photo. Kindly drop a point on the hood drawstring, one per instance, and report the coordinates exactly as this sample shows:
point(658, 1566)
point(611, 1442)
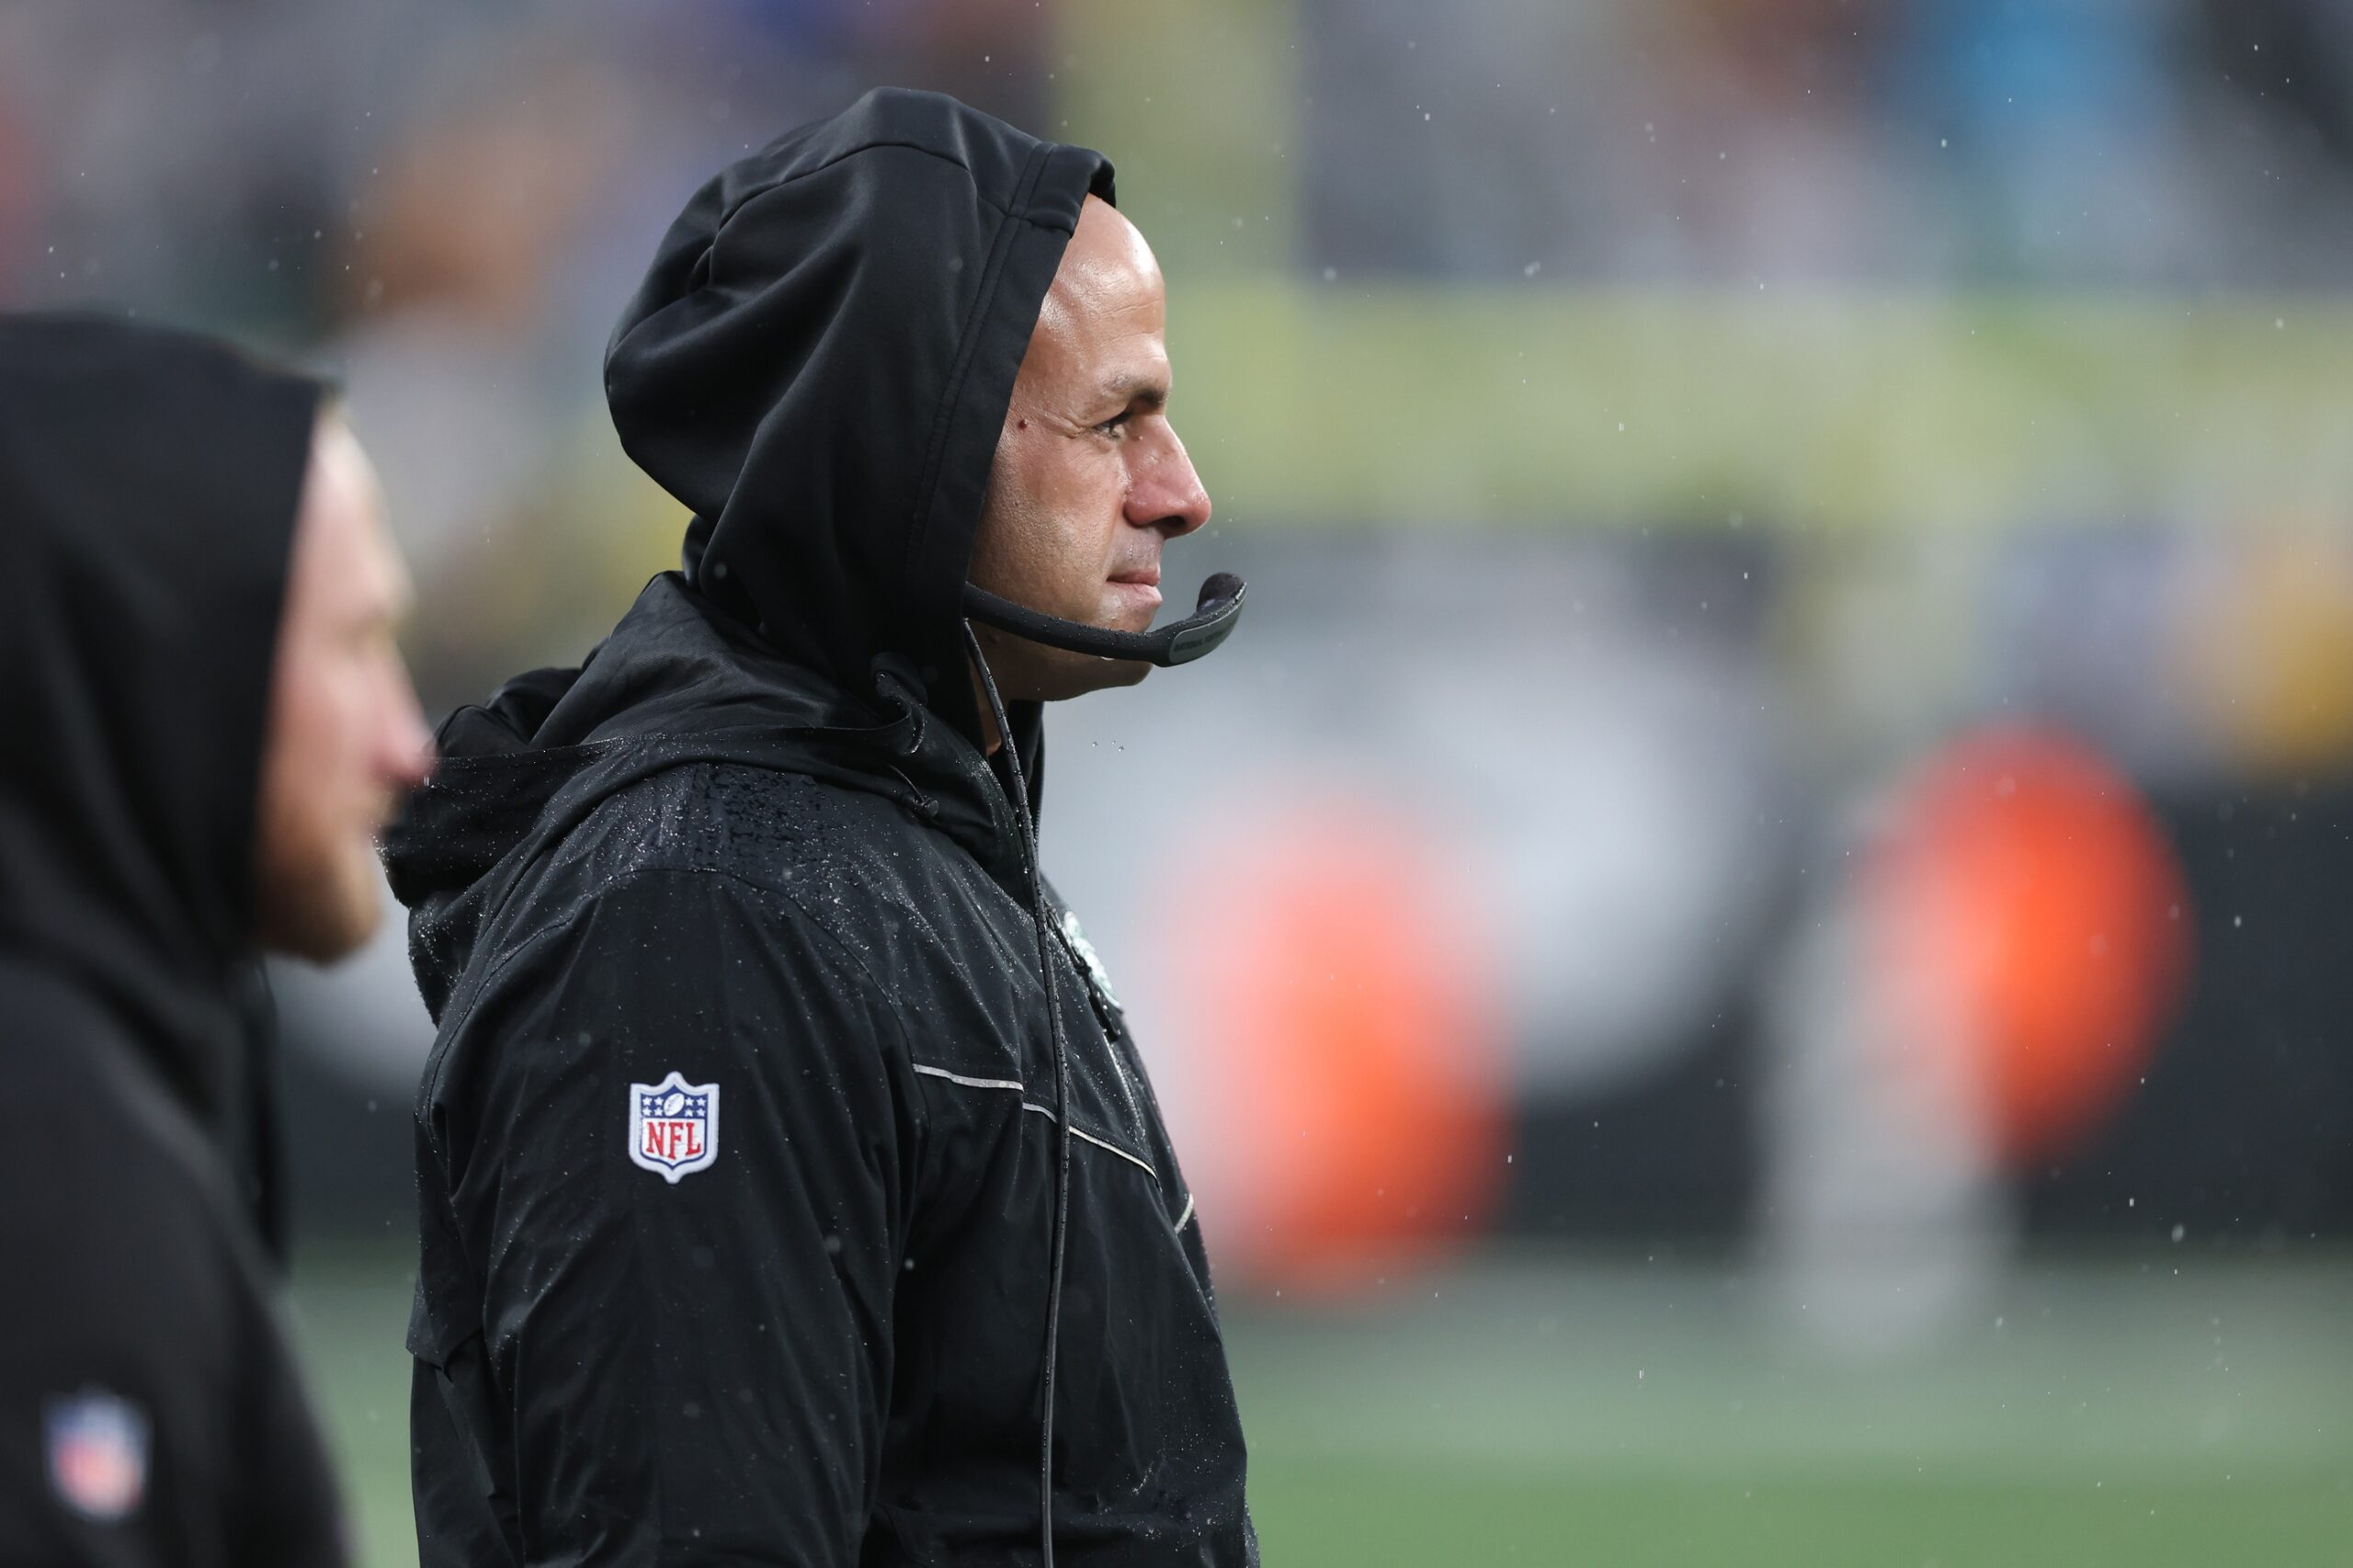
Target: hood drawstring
point(1061, 1093)
point(893, 687)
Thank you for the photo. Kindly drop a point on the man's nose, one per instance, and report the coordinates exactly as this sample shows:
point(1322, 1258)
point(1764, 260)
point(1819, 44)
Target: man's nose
point(1165, 493)
point(408, 755)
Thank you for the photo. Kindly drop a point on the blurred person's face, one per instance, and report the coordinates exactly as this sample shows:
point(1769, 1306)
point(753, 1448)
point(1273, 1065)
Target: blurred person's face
point(1089, 479)
point(346, 739)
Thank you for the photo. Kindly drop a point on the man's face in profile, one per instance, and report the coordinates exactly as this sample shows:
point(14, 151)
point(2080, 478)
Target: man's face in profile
point(346, 739)
point(1090, 480)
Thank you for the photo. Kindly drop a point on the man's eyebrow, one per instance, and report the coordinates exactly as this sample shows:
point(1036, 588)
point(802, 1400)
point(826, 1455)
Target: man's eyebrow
point(1150, 392)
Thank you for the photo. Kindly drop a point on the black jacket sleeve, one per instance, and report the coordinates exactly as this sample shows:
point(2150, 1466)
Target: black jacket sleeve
point(685, 1335)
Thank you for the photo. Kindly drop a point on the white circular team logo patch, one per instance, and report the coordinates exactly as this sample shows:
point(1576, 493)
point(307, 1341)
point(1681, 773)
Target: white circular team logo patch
point(672, 1126)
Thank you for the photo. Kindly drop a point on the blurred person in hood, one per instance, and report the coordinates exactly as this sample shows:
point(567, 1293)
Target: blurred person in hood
point(206, 723)
point(793, 1190)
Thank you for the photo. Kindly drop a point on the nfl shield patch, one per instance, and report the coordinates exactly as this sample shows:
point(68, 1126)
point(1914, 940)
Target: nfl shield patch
point(672, 1126)
point(98, 1454)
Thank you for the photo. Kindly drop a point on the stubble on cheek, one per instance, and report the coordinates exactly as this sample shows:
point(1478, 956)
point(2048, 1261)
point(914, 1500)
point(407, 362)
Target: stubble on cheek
point(316, 894)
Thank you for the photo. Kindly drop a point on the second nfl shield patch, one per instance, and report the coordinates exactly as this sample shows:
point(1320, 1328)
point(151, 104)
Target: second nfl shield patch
point(98, 1454)
point(672, 1126)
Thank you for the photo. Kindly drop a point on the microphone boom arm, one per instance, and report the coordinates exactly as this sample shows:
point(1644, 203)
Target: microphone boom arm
point(1178, 642)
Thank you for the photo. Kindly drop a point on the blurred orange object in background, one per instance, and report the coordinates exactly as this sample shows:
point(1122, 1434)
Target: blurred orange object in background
point(1339, 1006)
point(2033, 931)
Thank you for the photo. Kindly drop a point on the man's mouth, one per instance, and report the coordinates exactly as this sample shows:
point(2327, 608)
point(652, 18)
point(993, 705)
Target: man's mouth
point(1139, 588)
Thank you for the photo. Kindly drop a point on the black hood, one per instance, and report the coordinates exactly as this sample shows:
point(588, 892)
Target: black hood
point(149, 481)
point(818, 366)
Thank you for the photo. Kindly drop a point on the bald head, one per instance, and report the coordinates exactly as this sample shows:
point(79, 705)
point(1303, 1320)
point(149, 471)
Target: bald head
point(1107, 277)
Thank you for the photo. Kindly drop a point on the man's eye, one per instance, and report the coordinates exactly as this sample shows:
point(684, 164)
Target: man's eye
point(1113, 426)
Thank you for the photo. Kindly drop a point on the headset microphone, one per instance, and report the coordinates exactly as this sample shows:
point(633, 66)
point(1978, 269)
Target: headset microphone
point(1178, 642)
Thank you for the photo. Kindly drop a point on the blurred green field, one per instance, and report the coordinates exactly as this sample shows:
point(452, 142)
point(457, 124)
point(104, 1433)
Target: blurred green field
point(2189, 1412)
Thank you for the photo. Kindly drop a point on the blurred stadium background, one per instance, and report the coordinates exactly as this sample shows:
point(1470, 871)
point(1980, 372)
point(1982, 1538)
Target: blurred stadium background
point(1750, 950)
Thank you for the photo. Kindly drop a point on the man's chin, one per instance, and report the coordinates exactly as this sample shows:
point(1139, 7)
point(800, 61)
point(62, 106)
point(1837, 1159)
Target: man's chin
point(1127, 672)
point(1076, 675)
point(323, 917)
point(1037, 672)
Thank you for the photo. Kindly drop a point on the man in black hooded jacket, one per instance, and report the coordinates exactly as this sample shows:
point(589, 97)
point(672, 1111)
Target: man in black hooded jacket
point(792, 1191)
point(206, 721)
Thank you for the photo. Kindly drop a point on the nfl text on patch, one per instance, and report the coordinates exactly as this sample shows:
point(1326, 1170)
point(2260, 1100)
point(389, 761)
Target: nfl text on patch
point(672, 1126)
